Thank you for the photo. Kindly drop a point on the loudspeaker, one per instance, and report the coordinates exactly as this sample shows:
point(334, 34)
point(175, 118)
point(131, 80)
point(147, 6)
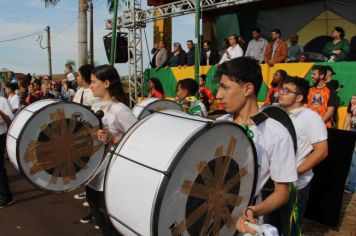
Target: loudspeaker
point(121, 47)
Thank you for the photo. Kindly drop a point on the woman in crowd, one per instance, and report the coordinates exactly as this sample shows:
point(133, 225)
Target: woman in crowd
point(337, 49)
point(272, 96)
point(67, 92)
point(156, 89)
point(12, 97)
point(118, 118)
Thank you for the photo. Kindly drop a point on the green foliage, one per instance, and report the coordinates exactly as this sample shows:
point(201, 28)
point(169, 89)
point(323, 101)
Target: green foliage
point(71, 62)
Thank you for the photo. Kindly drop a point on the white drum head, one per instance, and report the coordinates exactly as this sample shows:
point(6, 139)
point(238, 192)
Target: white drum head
point(210, 184)
point(57, 149)
point(149, 105)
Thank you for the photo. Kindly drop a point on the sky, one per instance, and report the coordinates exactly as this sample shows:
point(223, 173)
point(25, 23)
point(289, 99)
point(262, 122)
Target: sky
point(20, 18)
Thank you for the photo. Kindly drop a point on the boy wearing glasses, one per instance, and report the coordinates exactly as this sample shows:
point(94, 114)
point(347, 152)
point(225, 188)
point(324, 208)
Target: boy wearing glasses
point(311, 138)
point(239, 82)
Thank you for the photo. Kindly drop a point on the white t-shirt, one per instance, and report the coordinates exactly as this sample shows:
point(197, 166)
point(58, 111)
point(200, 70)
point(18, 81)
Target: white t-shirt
point(5, 107)
point(275, 152)
point(310, 129)
point(70, 76)
point(14, 101)
point(232, 52)
point(118, 118)
point(88, 98)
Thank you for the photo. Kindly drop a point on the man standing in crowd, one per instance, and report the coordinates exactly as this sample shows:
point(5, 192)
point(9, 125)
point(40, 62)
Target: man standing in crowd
point(256, 46)
point(311, 141)
point(294, 49)
point(277, 50)
point(160, 56)
point(233, 51)
point(190, 54)
point(209, 56)
point(321, 99)
point(331, 83)
point(239, 82)
point(5, 120)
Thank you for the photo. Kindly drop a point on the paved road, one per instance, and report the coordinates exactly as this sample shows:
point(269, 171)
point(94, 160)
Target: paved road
point(46, 214)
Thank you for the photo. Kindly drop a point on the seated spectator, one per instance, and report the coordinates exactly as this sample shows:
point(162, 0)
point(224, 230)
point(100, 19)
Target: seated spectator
point(294, 49)
point(209, 56)
point(338, 49)
point(352, 53)
point(206, 96)
point(303, 57)
point(67, 93)
point(272, 95)
point(277, 50)
point(160, 56)
point(186, 90)
point(224, 47)
point(256, 46)
point(178, 57)
point(321, 99)
point(12, 97)
point(156, 89)
point(233, 51)
point(242, 43)
point(190, 54)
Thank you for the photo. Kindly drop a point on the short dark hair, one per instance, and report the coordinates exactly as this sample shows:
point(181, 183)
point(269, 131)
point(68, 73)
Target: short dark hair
point(11, 86)
point(234, 35)
point(301, 84)
point(85, 71)
point(258, 30)
point(208, 42)
point(203, 77)
point(241, 69)
point(278, 31)
point(157, 84)
point(190, 85)
point(341, 31)
point(320, 69)
point(190, 41)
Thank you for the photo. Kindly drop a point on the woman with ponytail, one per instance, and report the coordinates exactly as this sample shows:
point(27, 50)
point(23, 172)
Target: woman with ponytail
point(118, 118)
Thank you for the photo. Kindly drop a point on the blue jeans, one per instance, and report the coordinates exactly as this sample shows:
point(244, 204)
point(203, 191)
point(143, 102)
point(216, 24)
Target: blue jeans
point(351, 182)
point(5, 193)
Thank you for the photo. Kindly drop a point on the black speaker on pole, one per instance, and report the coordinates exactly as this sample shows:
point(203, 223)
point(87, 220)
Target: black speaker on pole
point(121, 47)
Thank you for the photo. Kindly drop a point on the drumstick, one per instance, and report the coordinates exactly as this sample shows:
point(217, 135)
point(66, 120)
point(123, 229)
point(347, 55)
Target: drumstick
point(100, 114)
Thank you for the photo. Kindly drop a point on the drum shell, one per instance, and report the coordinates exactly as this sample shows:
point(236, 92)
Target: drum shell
point(149, 105)
point(140, 184)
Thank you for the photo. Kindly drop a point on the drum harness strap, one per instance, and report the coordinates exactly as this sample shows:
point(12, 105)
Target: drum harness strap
point(294, 215)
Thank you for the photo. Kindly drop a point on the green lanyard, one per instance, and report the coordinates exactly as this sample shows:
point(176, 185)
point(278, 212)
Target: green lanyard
point(249, 132)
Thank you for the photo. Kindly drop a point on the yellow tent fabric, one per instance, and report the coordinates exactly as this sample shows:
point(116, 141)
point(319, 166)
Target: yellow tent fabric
point(184, 72)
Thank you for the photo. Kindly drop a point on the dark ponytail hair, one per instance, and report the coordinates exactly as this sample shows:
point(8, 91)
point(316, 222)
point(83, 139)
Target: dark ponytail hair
point(11, 86)
point(108, 72)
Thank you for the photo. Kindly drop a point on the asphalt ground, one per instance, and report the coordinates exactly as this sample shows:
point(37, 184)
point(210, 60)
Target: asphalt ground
point(39, 213)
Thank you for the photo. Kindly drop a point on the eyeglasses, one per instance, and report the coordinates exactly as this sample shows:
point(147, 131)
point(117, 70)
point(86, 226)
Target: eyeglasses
point(285, 90)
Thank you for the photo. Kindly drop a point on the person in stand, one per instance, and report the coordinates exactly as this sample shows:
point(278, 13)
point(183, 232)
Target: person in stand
point(156, 89)
point(272, 95)
point(67, 92)
point(206, 96)
point(338, 48)
point(239, 82)
point(225, 45)
point(118, 118)
point(276, 50)
point(233, 51)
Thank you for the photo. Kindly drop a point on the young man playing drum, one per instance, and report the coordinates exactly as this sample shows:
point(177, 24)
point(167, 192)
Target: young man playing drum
point(311, 138)
point(239, 82)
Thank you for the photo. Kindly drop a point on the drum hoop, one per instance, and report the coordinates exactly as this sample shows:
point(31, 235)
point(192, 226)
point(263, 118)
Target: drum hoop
point(164, 183)
point(18, 151)
point(145, 108)
point(288, 124)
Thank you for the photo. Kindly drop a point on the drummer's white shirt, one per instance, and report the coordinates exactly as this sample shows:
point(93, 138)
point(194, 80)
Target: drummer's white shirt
point(310, 129)
point(275, 152)
point(118, 118)
point(5, 107)
point(88, 98)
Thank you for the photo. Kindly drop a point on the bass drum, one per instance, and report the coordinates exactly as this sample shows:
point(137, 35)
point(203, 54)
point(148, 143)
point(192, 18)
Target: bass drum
point(54, 144)
point(174, 174)
point(149, 105)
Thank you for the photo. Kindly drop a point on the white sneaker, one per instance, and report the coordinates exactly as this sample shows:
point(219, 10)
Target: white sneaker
point(80, 196)
point(86, 204)
point(96, 227)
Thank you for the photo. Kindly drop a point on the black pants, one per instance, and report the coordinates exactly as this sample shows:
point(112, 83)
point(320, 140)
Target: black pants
point(5, 193)
point(97, 206)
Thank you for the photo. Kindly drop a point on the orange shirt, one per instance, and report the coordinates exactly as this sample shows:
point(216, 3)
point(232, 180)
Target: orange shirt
point(155, 94)
point(320, 99)
point(272, 96)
